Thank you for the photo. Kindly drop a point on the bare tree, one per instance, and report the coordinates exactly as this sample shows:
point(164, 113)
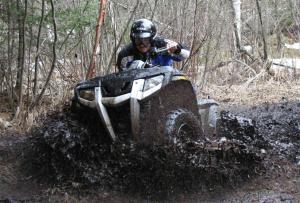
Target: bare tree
point(91, 70)
point(236, 7)
point(263, 34)
point(10, 42)
point(38, 49)
point(21, 55)
point(113, 56)
point(278, 26)
point(39, 97)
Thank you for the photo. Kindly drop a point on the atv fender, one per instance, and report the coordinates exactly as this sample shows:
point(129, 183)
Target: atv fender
point(209, 112)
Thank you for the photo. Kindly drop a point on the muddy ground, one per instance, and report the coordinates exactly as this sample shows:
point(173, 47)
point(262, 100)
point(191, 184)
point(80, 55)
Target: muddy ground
point(52, 169)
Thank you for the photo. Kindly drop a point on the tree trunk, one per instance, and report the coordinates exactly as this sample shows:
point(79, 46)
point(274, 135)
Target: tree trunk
point(38, 49)
point(20, 65)
point(236, 7)
point(39, 97)
point(262, 31)
point(21, 54)
point(10, 88)
point(278, 28)
point(100, 21)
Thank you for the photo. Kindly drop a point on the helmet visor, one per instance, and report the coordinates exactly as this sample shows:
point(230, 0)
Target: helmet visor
point(142, 35)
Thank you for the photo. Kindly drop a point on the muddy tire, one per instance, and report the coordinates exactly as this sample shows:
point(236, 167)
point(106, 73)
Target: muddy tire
point(181, 125)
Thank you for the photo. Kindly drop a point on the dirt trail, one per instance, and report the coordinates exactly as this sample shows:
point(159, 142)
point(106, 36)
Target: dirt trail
point(14, 184)
point(278, 121)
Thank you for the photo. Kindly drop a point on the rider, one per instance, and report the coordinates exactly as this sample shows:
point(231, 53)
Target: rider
point(144, 40)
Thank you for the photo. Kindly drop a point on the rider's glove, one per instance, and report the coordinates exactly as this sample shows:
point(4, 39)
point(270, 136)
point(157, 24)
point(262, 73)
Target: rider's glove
point(178, 50)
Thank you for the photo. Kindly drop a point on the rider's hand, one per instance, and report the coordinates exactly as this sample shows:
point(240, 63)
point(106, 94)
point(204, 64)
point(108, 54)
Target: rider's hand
point(172, 46)
point(148, 65)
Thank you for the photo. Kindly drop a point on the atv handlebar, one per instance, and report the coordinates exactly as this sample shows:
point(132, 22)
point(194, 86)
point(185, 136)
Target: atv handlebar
point(159, 50)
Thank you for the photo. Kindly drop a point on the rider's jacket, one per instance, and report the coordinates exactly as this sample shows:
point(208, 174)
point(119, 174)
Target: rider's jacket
point(130, 53)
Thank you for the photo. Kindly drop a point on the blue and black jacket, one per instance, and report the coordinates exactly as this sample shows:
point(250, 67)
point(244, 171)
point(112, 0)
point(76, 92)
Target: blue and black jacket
point(130, 53)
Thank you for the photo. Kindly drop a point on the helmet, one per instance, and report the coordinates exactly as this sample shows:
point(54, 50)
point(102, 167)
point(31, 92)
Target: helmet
point(142, 28)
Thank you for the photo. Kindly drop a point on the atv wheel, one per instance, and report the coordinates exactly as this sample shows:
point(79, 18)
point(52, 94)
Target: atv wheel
point(183, 125)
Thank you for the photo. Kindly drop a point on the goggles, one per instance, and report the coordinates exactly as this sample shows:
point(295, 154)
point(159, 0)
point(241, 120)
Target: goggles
point(142, 41)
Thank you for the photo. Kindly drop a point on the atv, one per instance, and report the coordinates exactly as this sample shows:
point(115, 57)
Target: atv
point(148, 104)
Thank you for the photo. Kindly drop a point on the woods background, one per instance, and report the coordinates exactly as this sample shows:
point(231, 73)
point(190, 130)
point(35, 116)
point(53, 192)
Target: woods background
point(46, 45)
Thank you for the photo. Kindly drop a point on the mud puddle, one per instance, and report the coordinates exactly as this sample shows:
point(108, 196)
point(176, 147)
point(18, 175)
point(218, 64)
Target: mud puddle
point(249, 161)
point(279, 124)
point(67, 151)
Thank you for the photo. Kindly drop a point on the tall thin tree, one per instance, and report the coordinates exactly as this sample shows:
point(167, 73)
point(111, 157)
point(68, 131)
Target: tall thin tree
point(21, 54)
point(38, 48)
point(263, 34)
point(53, 65)
point(100, 21)
point(236, 8)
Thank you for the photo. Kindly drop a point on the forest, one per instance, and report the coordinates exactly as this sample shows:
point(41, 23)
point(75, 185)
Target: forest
point(244, 54)
point(47, 46)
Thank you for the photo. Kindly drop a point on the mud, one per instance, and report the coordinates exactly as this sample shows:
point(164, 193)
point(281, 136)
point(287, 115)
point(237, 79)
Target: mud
point(251, 160)
point(279, 124)
point(13, 182)
point(65, 152)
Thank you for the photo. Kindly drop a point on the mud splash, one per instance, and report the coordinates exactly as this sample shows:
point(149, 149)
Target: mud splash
point(279, 124)
point(65, 150)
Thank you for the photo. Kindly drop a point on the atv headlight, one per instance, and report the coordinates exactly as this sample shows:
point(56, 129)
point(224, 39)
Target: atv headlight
point(152, 82)
point(88, 94)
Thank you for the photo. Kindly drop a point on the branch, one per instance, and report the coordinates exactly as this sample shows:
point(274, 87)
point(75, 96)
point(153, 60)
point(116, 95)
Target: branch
point(74, 26)
point(255, 78)
point(37, 99)
point(203, 40)
point(220, 65)
point(282, 65)
point(122, 36)
point(154, 9)
point(246, 65)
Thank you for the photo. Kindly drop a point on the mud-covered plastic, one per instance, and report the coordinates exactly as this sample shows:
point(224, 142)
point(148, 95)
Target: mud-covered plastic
point(209, 111)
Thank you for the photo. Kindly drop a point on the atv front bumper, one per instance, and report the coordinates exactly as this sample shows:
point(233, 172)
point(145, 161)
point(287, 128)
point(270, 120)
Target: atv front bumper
point(101, 103)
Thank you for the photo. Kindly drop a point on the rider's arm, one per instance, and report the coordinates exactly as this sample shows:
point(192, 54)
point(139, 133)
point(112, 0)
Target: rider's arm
point(177, 50)
point(181, 53)
point(124, 57)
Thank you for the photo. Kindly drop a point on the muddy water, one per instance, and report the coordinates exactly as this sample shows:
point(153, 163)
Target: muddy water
point(252, 161)
point(68, 151)
point(279, 124)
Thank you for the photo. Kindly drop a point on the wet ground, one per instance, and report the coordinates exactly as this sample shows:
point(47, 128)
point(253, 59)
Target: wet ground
point(63, 161)
point(278, 123)
point(73, 156)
